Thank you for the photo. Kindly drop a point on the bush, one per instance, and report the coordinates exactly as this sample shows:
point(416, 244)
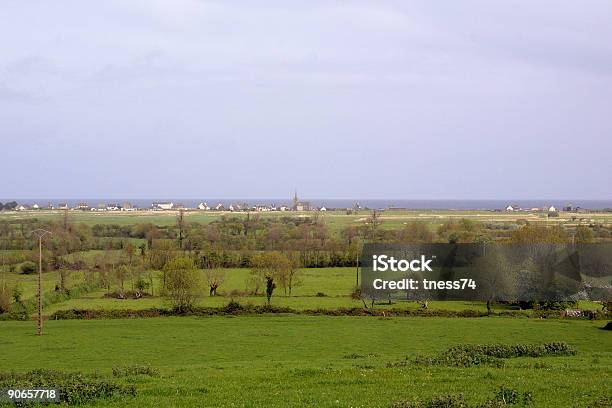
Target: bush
point(602, 402)
point(503, 398)
point(468, 355)
point(182, 284)
point(27, 268)
point(232, 307)
point(510, 396)
point(75, 388)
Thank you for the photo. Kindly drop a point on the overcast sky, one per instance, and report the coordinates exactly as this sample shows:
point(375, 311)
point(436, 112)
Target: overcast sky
point(346, 99)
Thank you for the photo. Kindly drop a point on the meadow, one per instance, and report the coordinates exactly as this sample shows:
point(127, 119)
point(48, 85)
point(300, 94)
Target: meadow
point(307, 361)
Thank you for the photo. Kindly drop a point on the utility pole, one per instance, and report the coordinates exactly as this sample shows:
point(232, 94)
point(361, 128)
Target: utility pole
point(40, 233)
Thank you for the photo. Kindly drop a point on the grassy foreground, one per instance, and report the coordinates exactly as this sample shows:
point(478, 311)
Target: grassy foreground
point(307, 361)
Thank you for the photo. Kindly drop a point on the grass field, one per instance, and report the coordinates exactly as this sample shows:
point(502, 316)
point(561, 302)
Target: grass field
point(308, 361)
point(336, 220)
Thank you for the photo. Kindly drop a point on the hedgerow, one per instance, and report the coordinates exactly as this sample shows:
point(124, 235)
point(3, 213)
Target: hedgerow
point(236, 308)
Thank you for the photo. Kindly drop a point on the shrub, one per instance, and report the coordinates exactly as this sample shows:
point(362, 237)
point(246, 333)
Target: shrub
point(515, 350)
point(602, 402)
point(511, 396)
point(182, 284)
point(467, 355)
point(233, 307)
point(503, 398)
point(27, 268)
point(75, 388)
point(321, 294)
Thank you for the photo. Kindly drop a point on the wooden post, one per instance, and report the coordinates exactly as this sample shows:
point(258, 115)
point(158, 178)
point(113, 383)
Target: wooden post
point(40, 322)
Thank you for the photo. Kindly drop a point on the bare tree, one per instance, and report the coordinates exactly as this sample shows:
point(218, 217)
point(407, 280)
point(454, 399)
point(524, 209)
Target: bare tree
point(214, 279)
point(270, 267)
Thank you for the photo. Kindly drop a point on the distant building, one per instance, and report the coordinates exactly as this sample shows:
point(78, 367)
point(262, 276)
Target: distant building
point(62, 206)
point(512, 208)
point(36, 207)
point(219, 207)
point(128, 207)
point(203, 206)
point(162, 205)
point(322, 209)
point(552, 211)
point(82, 206)
point(300, 205)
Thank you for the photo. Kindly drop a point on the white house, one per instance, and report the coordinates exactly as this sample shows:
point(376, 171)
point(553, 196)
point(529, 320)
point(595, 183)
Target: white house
point(203, 206)
point(322, 209)
point(219, 207)
point(552, 209)
point(163, 206)
point(511, 208)
point(36, 207)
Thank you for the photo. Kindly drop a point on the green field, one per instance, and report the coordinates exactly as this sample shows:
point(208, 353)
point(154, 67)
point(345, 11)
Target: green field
point(308, 361)
point(336, 220)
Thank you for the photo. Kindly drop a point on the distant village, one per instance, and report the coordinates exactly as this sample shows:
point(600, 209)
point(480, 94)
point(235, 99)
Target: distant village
point(296, 205)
